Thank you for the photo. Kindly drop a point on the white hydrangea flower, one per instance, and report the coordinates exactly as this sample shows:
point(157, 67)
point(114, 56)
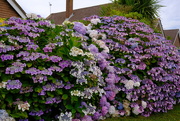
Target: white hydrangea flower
point(106, 49)
point(131, 39)
point(128, 96)
point(89, 109)
point(111, 69)
point(93, 33)
point(76, 51)
point(96, 70)
point(128, 112)
point(3, 85)
point(65, 117)
point(23, 106)
point(101, 92)
point(2, 29)
point(28, 15)
point(144, 104)
point(136, 110)
point(129, 84)
point(32, 15)
point(112, 110)
point(76, 93)
point(67, 22)
point(90, 55)
point(4, 116)
point(137, 84)
point(101, 43)
point(89, 27)
point(103, 36)
point(95, 21)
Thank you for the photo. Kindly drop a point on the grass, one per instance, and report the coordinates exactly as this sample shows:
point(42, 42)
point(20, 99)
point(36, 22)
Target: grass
point(171, 115)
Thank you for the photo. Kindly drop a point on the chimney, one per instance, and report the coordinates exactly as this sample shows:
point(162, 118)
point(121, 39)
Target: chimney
point(69, 8)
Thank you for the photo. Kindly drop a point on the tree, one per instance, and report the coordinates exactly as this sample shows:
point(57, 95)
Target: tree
point(148, 8)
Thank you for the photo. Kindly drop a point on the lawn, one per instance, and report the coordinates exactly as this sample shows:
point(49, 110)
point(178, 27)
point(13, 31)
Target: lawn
point(172, 115)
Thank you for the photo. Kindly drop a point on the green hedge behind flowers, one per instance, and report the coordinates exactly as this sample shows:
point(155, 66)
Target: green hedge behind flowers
point(113, 66)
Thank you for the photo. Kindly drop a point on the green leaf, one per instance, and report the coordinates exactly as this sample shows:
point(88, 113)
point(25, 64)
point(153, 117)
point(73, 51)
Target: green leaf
point(3, 106)
point(27, 94)
point(29, 64)
point(50, 94)
point(71, 43)
point(40, 68)
point(65, 78)
point(66, 50)
point(18, 75)
point(59, 91)
point(2, 65)
point(38, 89)
point(5, 77)
point(79, 110)
point(3, 95)
point(73, 111)
point(53, 79)
point(34, 95)
point(19, 115)
point(69, 106)
point(154, 61)
point(73, 99)
point(77, 105)
point(65, 96)
point(9, 99)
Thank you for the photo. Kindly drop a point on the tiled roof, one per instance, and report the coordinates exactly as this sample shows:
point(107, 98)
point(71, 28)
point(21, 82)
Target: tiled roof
point(172, 33)
point(78, 14)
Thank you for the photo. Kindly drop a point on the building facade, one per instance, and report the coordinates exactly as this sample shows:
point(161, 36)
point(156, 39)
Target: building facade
point(10, 8)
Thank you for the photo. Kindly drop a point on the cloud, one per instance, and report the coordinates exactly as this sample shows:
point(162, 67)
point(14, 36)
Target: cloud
point(170, 14)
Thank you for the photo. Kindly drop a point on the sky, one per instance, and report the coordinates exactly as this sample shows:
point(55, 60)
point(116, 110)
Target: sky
point(169, 15)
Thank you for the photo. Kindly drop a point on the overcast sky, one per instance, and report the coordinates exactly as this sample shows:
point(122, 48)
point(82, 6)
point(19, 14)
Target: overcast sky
point(169, 15)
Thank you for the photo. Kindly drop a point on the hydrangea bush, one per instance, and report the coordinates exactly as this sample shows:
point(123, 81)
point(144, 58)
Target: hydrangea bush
point(147, 65)
point(50, 72)
point(113, 66)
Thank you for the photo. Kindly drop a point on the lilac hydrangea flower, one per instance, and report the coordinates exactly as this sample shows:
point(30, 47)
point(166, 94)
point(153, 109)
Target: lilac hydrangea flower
point(13, 84)
point(36, 113)
point(79, 27)
point(5, 57)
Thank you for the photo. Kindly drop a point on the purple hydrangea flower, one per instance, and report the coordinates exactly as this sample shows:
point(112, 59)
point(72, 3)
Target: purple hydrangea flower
point(5, 57)
point(13, 84)
point(65, 63)
point(80, 28)
point(55, 58)
point(36, 113)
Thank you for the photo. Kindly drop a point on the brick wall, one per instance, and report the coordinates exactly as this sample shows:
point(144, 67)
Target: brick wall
point(6, 10)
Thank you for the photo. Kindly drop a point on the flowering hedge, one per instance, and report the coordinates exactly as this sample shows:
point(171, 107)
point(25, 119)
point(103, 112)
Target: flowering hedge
point(113, 66)
point(146, 63)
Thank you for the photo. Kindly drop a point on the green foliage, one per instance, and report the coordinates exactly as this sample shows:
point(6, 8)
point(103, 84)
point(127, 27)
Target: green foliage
point(145, 11)
point(122, 10)
point(148, 8)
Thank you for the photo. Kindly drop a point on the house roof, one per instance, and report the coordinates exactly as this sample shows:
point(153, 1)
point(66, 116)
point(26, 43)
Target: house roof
point(158, 25)
point(17, 8)
point(173, 34)
point(78, 14)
